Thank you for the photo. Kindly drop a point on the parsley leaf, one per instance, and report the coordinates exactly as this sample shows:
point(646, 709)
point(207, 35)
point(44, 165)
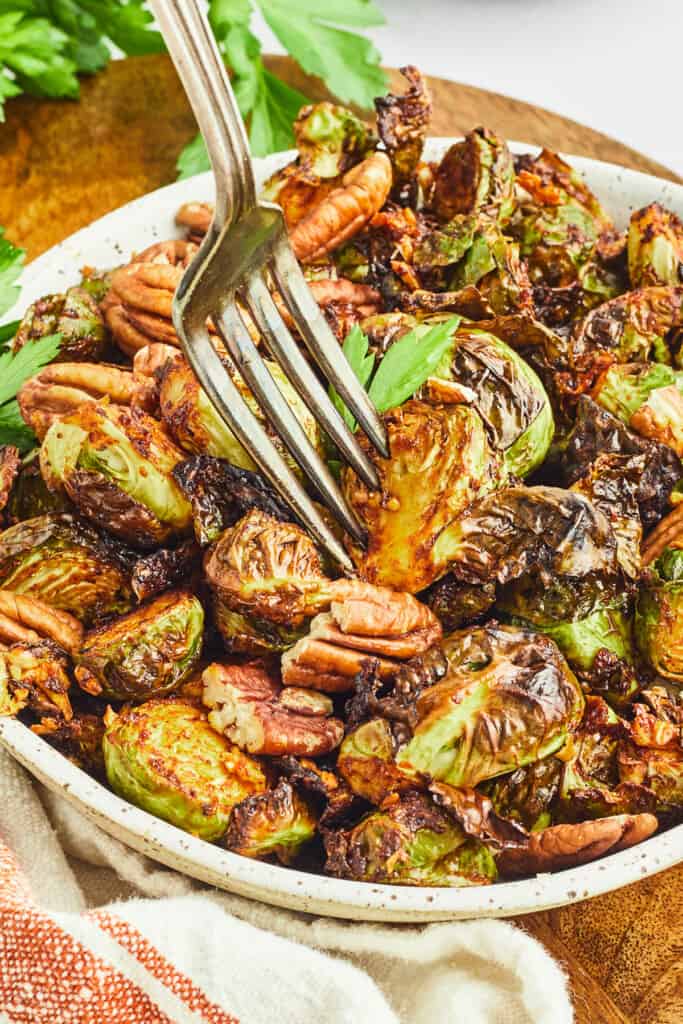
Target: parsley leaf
point(15, 368)
point(347, 62)
point(11, 262)
point(402, 371)
point(356, 351)
point(409, 362)
point(33, 55)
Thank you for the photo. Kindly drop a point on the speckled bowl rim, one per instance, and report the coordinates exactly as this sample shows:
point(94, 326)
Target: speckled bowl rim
point(140, 223)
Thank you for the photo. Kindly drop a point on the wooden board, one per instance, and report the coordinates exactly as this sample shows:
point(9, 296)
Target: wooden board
point(63, 165)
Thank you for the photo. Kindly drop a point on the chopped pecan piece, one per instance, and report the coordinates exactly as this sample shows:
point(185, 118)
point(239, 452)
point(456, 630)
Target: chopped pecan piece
point(254, 711)
point(566, 846)
point(137, 307)
point(26, 619)
point(346, 209)
point(60, 388)
point(10, 462)
point(365, 623)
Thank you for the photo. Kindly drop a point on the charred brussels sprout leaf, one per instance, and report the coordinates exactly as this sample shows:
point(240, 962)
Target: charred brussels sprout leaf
point(493, 264)
point(147, 653)
point(402, 125)
point(659, 616)
point(509, 698)
point(528, 795)
point(632, 327)
point(64, 562)
point(652, 755)
point(30, 496)
point(330, 139)
point(596, 432)
point(440, 461)
point(411, 842)
point(164, 757)
point(266, 577)
point(116, 465)
point(73, 315)
point(278, 822)
point(655, 247)
point(476, 177)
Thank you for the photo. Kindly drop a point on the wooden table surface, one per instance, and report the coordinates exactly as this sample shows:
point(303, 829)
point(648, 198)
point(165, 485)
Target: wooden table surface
point(63, 165)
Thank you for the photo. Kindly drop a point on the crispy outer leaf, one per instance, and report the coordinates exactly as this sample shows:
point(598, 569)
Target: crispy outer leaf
point(347, 62)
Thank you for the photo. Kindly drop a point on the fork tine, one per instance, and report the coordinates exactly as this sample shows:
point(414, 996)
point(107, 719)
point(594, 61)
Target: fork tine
point(286, 351)
point(322, 343)
point(231, 406)
point(250, 364)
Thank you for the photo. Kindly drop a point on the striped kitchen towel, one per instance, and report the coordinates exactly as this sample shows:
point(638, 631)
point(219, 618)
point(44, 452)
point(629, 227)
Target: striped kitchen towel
point(195, 956)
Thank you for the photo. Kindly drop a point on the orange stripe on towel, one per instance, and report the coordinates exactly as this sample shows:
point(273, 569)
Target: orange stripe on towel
point(146, 953)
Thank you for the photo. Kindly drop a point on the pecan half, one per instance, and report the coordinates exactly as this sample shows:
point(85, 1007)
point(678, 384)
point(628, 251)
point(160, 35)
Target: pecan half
point(26, 619)
point(196, 217)
point(364, 623)
point(260, 716)
point(60, 388)
point(137, 307)
point(346, 210)
point(566, 846)
point(365, 300)
point(667, 534)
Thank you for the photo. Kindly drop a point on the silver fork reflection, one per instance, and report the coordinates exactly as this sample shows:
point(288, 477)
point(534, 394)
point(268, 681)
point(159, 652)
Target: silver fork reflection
point(248, 240)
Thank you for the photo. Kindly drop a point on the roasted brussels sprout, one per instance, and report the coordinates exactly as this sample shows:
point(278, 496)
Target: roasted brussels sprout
point(655, 466)
point(632, 327)
point(652, 756)
point(440, 461)
point(655, 247)
point(493, 264)
point(35, 675)
point(164, 756)
point(197, 427)
point(116, 465)
point(659, 616)
point(509, 698)
point(402, 125)
point(278, 822)
point(266, 577)
point(80, 739)
point(648, 397)
point(147, 653)
point(75, 316)
point(410, 842)
point(561, 229)
point(63, 561)
point(366, 762)
point(476, 177)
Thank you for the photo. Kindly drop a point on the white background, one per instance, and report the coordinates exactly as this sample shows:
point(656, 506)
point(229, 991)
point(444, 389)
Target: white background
point(616, 65)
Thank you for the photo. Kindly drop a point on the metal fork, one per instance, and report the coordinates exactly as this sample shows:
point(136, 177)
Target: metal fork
point(247, 241)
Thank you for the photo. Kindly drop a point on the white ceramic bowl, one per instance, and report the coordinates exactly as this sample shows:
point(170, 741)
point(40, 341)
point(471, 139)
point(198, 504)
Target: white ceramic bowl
point(108, 242)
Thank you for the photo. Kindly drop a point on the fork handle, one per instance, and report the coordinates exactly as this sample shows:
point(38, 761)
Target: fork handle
point(192, 46)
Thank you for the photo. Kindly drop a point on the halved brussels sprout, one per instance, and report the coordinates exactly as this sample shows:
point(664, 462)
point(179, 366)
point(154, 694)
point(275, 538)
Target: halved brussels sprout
point(75, 316)
point(612, 485)
point(115, 463)
point(196, 426)
point(493, 264)
point(508, 698)
point(659, 615)
point(402, 123)
point(440, 461)
point(64, 562)
point(476, 177)
point(411, 842)
point(266, 579)
point(278, 822)
point(655, 247)
point(366, 762)
point(147, 653)
point(632, 327)
point(652, 756)
point(164, 757)
point(648, 397)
